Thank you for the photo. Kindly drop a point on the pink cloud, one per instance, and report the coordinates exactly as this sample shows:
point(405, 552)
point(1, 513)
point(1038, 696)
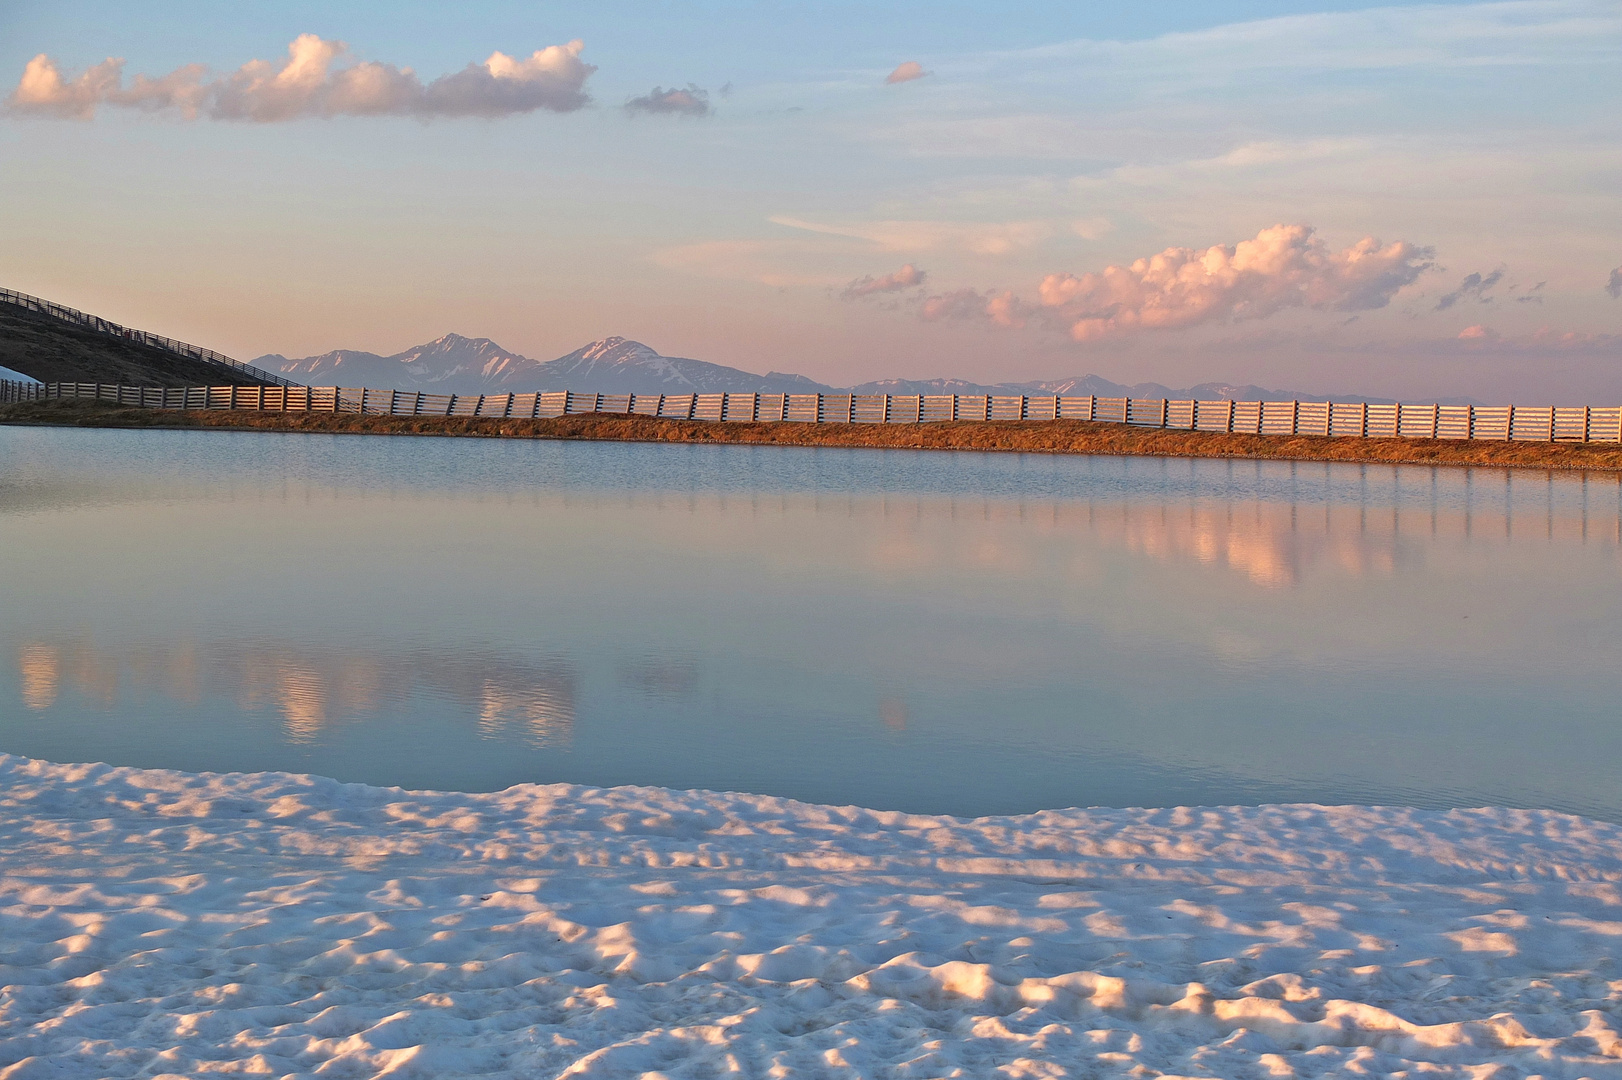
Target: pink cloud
point(1002, 308)
point(307, 84)
point(906, 72)
point(1283, 267)
point(692, 101)
point(909, 276)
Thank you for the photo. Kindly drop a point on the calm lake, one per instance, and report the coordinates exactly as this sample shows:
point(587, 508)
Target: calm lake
point(944, 632)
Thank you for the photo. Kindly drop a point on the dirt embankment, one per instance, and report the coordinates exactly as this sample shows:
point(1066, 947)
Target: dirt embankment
point(1031, 436)
point(52, 350)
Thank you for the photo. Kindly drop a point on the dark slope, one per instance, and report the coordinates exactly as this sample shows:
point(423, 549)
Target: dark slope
point(52, 350)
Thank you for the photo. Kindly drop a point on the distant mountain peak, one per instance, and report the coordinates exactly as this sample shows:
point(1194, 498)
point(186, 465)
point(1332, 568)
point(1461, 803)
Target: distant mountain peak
point(619, 365)
point(616, 350)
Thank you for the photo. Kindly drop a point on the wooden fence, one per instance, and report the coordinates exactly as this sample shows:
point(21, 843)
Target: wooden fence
point(12, 390)
point(103, 326)
point(1579, 423)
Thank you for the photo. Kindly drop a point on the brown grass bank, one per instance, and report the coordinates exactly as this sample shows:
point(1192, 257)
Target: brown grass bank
point(1032, 436)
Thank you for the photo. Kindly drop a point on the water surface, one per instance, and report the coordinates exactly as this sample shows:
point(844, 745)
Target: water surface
point(953, 632)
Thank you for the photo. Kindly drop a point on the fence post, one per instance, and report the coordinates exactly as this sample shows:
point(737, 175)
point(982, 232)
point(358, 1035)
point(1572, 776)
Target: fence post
point(1469, 421)
point(1551, 423)
point(1165, 411)
point(1092, 408)
point(1295, 418)
point(1397, 427)
point(1586, 410)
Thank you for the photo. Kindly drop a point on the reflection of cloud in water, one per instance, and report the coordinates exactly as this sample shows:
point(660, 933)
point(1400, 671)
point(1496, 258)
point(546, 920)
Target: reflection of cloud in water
point(41, 669)
point(302, 695)
point(310, 688)
point(662, 678)
point(544, 715)
point(893, 714)
point(1270, 544)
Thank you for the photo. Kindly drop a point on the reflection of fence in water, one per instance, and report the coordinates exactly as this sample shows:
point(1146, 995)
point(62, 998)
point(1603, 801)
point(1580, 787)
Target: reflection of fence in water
point(311, 689)
point(1270, 541)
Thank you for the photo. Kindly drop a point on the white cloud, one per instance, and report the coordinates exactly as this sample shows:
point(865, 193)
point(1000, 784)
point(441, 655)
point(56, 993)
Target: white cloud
point(307, 84)
point(1422, 36)
point(757, 261)
point(908, 277)
point(1002, 308)
point(42, 88)
point(906, 72)
point(980, 238)
point(1283, 267)
point(692, 101)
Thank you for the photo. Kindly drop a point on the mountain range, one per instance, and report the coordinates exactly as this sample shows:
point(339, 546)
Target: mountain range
point(459, 365)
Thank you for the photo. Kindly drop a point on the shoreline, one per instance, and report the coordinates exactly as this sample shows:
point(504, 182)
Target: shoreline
point(1008, 436)
point(290, 923)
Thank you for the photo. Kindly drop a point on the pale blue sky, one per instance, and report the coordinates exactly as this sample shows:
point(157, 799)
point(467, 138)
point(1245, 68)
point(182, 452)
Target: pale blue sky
point(1045, 143)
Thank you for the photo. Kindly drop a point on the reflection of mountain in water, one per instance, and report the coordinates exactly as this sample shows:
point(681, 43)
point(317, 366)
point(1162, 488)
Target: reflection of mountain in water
point(312, 689)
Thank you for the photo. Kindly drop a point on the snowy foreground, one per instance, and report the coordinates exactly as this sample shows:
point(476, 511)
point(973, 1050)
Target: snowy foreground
point(162, 922)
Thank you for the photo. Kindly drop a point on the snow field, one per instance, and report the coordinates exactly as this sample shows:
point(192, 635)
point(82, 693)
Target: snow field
point(157, 923)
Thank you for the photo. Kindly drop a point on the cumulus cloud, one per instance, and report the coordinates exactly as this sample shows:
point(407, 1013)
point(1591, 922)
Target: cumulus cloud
point(1477, 333)
point(315, 82)
point(1474, 286)
point(1002, 308)
point(677, 102)
point(908, 277)
point(1614, 286)
point(981, 238)
point(906, 72)
point(1283, 267)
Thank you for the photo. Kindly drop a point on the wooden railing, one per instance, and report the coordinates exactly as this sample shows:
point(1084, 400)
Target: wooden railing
point(1579, 423)
point(13, 390)
point(179, 348)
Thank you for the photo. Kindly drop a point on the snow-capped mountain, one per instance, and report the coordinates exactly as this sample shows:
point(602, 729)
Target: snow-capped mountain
point(459, 365)
point(614, 365)
point(453, 364)
point(617, 366)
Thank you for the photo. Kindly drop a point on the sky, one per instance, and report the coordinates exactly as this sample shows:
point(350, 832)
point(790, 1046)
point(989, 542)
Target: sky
point(1414, 200)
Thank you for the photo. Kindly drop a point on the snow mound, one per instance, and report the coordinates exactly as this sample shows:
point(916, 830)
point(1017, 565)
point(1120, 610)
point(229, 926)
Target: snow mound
point(161, 923)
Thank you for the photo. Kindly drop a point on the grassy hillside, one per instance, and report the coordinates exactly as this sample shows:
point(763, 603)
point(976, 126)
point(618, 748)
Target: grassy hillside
point(51, 350)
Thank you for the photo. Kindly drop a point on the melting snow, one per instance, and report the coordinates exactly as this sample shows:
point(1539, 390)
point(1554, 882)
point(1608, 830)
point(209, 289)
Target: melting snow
point(159, 923)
